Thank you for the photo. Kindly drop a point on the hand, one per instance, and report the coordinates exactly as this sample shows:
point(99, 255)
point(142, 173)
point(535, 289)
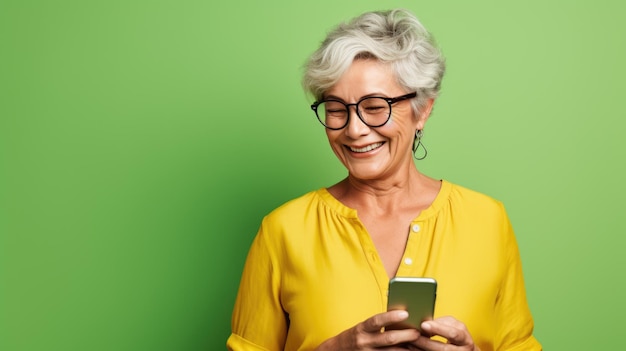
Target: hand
point(368, 335)
point(454, 331)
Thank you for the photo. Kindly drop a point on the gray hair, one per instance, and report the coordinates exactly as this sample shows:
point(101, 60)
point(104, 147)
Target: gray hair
point(395, 37)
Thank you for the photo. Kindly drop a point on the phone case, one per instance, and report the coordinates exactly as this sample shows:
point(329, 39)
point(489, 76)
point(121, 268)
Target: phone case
point(415, 295)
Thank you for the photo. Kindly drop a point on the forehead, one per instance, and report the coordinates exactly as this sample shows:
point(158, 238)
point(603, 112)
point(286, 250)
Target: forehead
point(366, 77)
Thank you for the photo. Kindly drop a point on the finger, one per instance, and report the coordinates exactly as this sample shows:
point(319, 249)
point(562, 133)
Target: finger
point(453, 334)
point(399, 338)
point(381, 320)
point(451, 329)
point(425, 343)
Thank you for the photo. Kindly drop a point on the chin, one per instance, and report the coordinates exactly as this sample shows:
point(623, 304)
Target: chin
point(366, 174)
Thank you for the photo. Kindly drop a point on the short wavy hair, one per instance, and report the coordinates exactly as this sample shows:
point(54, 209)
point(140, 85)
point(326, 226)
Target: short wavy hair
point(396, 37)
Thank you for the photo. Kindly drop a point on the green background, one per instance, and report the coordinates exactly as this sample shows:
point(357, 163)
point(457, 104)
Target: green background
point(141, 142)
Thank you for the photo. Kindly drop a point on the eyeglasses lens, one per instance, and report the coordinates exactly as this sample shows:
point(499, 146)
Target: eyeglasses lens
point(373, 111)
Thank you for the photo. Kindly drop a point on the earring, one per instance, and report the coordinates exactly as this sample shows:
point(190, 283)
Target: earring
point(417, 142)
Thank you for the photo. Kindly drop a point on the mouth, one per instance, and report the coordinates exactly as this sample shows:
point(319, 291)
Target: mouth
point(366, 148)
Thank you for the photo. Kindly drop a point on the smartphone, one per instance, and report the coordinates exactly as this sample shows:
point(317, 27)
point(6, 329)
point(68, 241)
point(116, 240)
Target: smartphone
point(414, 295)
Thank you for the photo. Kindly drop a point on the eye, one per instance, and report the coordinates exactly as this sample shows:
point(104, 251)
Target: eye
point(374, 106)
point(334, 109)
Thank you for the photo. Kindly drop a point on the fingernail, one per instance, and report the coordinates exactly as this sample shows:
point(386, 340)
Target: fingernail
point(403, 314)
point(426, 325)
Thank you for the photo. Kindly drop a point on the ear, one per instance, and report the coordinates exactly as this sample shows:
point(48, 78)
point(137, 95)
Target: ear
point(422, 117)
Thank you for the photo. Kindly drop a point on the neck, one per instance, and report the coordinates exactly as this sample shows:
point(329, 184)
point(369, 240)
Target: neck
point(383, 195)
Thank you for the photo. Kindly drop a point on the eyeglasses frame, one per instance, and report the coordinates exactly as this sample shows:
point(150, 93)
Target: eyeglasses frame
point(390, 101)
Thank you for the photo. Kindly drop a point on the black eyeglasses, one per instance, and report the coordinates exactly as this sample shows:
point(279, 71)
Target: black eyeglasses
point(373, 111)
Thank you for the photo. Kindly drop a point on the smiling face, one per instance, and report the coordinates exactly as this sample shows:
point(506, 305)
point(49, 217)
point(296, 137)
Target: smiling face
point(374, 153)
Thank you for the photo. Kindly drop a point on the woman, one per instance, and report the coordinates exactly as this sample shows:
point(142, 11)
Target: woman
point(318, 270)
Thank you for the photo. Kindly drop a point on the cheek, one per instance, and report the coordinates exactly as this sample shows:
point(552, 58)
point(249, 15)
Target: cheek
point(332, 140)
point(330, 136)
point(401, 127)
point(403, 120)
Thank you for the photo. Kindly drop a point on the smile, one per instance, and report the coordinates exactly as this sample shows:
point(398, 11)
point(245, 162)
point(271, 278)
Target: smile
point(367, 148)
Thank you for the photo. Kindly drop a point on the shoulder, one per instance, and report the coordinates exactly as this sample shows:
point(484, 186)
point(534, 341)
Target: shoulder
point(468, 208)
point(298, 214)
point(467, 199)
point(296, 206)
point(478, 221)
point(296, 225)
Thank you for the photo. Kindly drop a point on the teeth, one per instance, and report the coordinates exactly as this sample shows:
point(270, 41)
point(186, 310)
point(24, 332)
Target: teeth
point(366, 148)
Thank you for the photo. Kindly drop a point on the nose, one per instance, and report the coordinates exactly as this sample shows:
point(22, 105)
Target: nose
point(355, 127)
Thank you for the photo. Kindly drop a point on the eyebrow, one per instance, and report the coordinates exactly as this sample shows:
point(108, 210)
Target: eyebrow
point(334, 97)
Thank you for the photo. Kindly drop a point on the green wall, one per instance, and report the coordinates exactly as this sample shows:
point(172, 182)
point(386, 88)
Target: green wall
point(141, 142)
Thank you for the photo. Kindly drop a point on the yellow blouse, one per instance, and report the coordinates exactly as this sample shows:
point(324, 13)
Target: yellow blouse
point(313, 272)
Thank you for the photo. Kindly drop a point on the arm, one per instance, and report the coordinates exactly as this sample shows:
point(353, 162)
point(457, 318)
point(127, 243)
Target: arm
point(258, 321)
point(512, 311)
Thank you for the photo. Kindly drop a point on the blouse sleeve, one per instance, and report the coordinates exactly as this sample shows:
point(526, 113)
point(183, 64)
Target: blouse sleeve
point(258, 321)
point(513, 318)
